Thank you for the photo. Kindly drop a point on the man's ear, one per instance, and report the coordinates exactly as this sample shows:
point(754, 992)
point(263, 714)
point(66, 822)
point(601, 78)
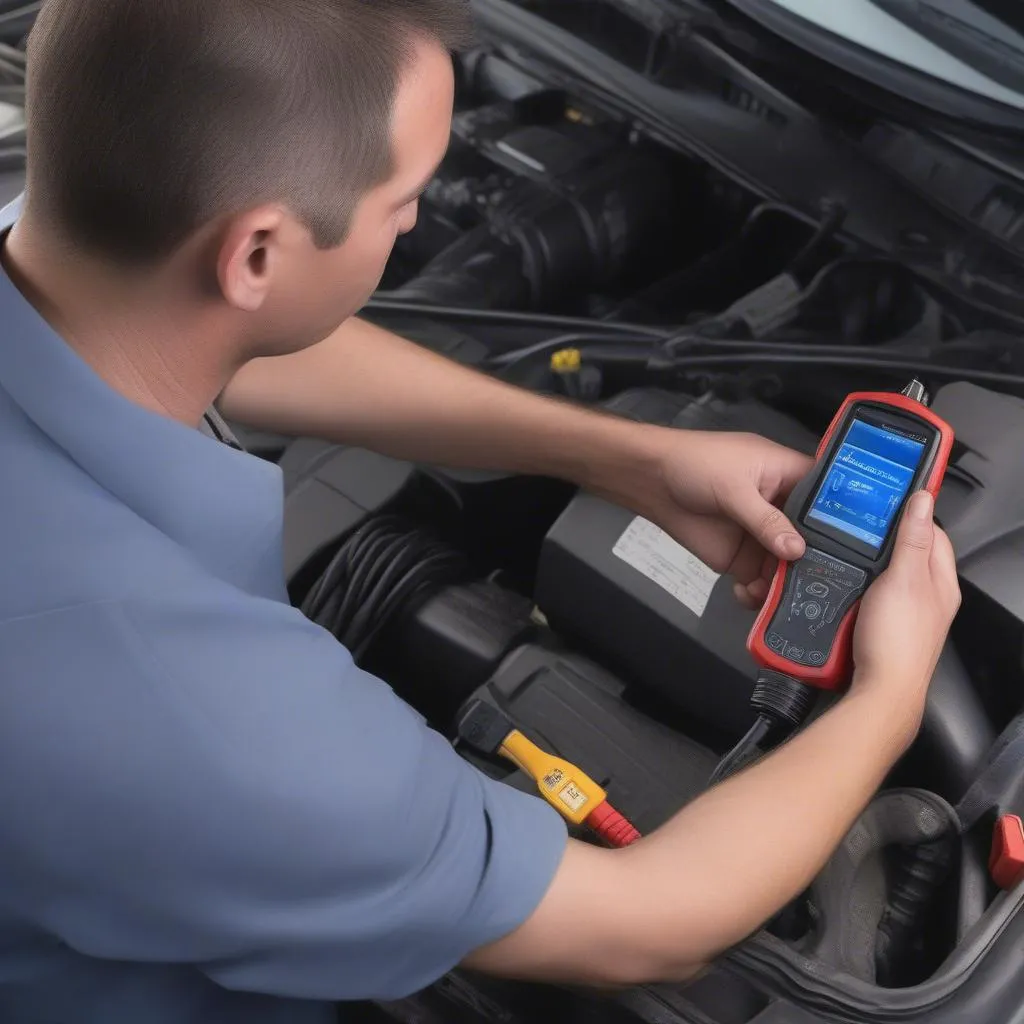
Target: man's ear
point(248, 255)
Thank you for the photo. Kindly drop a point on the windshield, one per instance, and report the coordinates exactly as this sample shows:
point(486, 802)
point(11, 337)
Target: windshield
point(977, 45)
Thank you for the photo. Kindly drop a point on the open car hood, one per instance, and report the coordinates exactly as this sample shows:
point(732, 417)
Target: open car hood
point(963, 58)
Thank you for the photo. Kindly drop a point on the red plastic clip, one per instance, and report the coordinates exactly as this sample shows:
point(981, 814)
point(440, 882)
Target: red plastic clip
point(1006, 863)
point(611, 826)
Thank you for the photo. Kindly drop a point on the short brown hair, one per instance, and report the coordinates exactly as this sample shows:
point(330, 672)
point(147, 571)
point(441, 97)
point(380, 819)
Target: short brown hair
point(149, 118)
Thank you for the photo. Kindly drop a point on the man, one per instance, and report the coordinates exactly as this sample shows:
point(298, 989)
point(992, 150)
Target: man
point(209, 813)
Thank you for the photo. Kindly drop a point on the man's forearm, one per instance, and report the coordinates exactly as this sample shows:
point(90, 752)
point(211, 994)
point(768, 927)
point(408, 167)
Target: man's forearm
point(796, 808)
point(366, 386)
point(667, 906)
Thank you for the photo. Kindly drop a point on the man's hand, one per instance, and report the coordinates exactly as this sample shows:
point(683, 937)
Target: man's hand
point(905, 616)
point(719, 494)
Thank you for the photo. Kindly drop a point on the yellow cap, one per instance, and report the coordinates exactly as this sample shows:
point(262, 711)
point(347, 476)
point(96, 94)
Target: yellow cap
point(566, 360)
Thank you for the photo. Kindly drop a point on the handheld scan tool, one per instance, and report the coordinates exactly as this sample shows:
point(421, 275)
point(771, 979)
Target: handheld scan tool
point(878, 451)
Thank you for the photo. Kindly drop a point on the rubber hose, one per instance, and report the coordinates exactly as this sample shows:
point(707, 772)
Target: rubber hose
point(956, 734)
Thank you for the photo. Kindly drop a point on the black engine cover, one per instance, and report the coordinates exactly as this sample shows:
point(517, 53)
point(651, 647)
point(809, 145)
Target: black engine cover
point(630, 596)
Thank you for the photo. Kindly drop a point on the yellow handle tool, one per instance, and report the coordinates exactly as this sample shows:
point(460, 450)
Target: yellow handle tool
point(572, 793)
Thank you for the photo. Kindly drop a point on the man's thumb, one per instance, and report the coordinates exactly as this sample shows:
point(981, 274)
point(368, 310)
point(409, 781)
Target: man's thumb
point(771, 527)
point(917, 529)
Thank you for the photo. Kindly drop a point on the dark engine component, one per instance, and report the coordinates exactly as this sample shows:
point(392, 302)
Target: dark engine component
point(577, 710)
point(982, 508)
point(381, 570)
point(643, 604)
point(568, 206)
point(867, 916)
point(332, 490)
point(670, 680)
point(453, 643)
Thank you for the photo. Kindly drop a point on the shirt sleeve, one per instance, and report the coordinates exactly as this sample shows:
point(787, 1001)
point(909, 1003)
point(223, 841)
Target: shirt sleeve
point(220, 785)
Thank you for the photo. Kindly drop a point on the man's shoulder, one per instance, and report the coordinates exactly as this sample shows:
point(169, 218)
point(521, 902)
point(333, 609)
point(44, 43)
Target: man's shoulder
point(64, 539)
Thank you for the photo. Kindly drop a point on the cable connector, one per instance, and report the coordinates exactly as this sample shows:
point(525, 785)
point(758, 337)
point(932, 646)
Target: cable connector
point(576, 797)
point(784, 699)
point(916, 391)
point(780, 702)
point(611, 826)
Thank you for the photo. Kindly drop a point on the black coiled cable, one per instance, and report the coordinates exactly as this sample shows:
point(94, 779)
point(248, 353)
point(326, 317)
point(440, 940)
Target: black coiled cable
point(381, 571)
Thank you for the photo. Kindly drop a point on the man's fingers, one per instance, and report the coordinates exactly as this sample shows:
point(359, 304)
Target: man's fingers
point(746, 566)
point(792, 467)
point(943, 565)
point(769, 525)
point(943, 556)
point(916, 534)
point(752, 596)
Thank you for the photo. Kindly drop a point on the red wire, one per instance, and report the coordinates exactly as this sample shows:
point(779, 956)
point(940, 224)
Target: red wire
point(611, 826)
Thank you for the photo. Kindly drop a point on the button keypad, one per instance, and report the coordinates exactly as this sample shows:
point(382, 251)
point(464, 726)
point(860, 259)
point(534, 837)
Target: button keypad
point(820, 590)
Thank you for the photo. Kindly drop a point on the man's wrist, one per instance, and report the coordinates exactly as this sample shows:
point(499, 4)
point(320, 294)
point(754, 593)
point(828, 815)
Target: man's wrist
point(895, 708)
point(619, 459)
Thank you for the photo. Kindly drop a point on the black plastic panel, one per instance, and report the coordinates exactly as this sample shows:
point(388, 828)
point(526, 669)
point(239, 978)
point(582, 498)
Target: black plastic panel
point(617, 614)
point(575, 709)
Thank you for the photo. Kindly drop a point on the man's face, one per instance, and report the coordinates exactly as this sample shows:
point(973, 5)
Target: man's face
point(323, 288)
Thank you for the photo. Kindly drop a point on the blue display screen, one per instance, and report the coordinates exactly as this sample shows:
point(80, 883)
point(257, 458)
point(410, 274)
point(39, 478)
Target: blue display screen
point(867, 482)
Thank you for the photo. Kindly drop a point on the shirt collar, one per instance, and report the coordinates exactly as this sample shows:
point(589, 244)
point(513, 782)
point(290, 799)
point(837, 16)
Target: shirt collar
point(223, 505)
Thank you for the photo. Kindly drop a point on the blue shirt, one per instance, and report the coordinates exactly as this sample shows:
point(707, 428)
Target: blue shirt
point(208, 813)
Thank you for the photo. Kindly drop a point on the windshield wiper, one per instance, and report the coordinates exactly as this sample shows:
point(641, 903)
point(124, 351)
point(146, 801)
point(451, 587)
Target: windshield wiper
point(970, 32)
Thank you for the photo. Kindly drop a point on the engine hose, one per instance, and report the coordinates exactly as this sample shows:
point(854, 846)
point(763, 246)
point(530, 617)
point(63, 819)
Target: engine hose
point(954, 743)
point(956, 733)
point(922, 870)
point(385, 302)
point(853, 897)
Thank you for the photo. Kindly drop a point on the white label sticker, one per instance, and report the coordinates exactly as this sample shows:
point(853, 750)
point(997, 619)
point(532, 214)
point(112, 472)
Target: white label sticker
point(572, 797)
point(650, 550)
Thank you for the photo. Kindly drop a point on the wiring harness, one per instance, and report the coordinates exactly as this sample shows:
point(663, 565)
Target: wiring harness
point(381, 571)
point(726, 343)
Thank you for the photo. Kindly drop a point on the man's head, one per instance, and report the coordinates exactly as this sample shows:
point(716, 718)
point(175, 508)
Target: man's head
point(275, 146)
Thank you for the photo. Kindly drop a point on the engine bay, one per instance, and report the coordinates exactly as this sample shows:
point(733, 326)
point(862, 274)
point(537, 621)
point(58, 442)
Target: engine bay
point(659, 209)
point(569, 248)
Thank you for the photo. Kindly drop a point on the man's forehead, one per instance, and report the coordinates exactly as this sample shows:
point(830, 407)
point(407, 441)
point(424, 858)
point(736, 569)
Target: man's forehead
point(421, 122)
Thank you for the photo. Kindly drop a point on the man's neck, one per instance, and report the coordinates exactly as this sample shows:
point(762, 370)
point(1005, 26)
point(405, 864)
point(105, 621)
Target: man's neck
point(136, 334)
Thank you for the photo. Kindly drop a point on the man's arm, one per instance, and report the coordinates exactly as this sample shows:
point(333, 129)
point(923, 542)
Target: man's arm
point(665, 907)
point(715, 493)
point(366, 386)
point(303, 832)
